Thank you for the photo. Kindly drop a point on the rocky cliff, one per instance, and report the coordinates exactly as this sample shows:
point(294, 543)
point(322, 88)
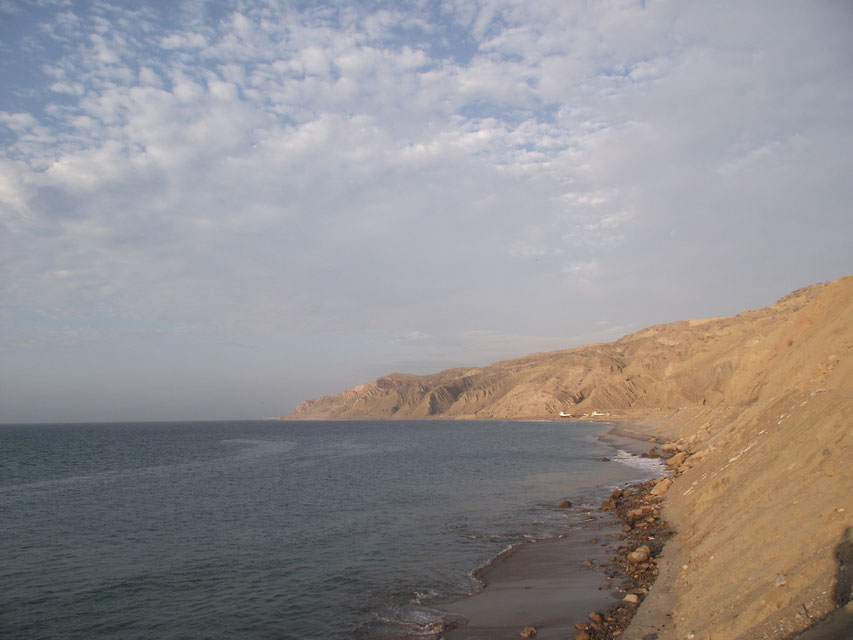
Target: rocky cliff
point(695, 363)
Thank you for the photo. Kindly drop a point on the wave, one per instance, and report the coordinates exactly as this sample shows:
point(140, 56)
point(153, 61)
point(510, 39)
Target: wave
point(653, 466)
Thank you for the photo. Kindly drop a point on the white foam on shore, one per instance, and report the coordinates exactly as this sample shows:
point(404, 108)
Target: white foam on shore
point(653, 466)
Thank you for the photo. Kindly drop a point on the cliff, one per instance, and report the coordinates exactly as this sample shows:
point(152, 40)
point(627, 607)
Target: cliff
point(712, 362)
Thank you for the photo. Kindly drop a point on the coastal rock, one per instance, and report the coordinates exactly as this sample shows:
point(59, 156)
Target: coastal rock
point(676, 460)
point(528, 632)
point(582, 635)
point(669, 447)
point(640, 554)
point(631, 598)
point(653, 453)
point(616, 494)
point(608, 505)
point(595, 616)
point(661, 487)
point(565, 504)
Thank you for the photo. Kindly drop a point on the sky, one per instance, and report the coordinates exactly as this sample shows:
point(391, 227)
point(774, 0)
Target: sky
point(218, 209)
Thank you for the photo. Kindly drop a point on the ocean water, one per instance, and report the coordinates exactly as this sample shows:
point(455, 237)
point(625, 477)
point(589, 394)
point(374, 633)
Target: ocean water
point(262, 529)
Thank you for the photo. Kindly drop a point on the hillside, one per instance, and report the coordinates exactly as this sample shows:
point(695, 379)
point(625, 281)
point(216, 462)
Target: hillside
point(711, 362)
point(760, 405)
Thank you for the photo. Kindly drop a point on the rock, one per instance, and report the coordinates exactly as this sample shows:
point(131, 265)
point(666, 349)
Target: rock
point(626, 528)
point(587, 563)
point(640, 554)
point(595, 616)
point(631, 598)
point(435, 627)
point(605, 459)
point(528, 632)
point(616, 494)
point(781, 581)
point(635, 514)
point(676, 460)
point(565, 504)
point(653, 453)
point(582, 635)
point(669, 447)
point(661, 487)
point(650, 636)
point(608, 505)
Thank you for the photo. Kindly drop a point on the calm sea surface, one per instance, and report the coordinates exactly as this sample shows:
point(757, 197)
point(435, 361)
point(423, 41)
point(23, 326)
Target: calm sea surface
point(255, 529)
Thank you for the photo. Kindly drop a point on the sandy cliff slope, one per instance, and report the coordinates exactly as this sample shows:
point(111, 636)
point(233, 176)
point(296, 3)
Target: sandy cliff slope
point(763, 504)
point(761, 404)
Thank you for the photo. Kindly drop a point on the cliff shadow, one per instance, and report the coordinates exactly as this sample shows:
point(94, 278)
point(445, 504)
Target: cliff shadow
point(841, 592)
point(838, 624)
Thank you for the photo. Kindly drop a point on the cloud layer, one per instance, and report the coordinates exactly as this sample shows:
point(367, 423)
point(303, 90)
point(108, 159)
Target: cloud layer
point(404, 184)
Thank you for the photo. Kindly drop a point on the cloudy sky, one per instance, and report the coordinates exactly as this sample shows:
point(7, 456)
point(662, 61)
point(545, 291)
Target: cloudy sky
point(215, 209)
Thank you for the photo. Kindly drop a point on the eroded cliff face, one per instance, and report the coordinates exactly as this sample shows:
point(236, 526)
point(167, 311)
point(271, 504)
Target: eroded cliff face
point(763, 503)
point(712, 362)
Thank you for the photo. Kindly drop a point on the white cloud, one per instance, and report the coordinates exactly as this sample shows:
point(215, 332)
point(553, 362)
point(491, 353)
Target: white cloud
point(277, 172)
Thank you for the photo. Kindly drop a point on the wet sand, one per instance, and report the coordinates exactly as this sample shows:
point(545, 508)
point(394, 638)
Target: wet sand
point(543, 585)
point(546, 585)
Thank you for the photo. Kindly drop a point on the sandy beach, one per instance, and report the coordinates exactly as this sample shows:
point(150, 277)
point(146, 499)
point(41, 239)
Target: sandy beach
point(554, 585)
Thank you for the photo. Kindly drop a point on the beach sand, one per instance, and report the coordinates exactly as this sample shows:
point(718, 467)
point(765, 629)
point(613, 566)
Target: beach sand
point(547, 585)
point(544, 585)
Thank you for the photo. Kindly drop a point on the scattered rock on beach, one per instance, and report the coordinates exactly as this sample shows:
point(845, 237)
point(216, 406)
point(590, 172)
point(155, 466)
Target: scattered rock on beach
point(528, 632)
point(565, 504)
point(661, 487)
point(582, 635)
point(595, 616)
point(608, 505)
point(639, 555)
point(631, 598)
point(676, 460)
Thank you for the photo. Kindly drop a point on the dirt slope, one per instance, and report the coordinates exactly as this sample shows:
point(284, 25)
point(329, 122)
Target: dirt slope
point(763, 505)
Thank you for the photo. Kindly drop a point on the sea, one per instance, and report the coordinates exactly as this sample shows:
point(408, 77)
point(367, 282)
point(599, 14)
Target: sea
point(276, 529)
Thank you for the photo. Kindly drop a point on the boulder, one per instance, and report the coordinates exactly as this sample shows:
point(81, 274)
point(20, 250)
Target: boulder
point(608, 505)
point(595, 616)
point(631, 598)
point(653, 453)
point(661, 487)
point(528, 632)
point(676, 460)
point(582, 635)
point(669, 447)
point(565, 504)
point(640, 554)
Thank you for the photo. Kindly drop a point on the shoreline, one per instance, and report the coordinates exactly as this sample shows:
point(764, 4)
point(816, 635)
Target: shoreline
point(554, 586)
